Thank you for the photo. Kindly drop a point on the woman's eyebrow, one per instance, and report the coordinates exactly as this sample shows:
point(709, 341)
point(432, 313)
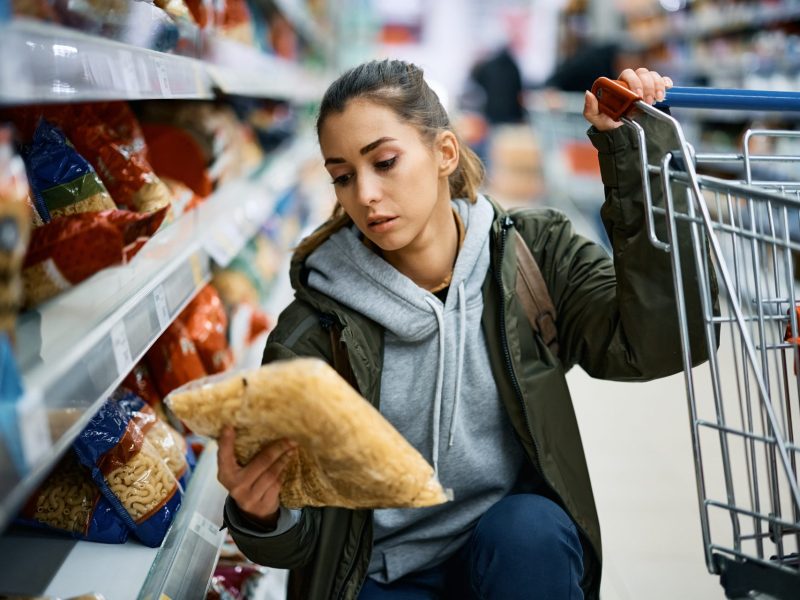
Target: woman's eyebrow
point(365, 150)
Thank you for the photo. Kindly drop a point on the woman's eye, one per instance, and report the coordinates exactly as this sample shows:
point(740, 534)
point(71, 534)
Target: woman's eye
point(341, 179)
point(385, 165)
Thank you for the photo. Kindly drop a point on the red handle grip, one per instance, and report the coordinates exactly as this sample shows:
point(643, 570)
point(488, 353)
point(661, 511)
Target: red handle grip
point(614, 97)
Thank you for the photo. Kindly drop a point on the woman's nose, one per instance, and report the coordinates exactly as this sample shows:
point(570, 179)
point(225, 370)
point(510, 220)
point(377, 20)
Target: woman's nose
point(368, 188)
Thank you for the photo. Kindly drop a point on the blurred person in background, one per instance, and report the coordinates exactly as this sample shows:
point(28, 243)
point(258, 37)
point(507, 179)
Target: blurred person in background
point(415, 270)
point(578, 72)
point(499, 88)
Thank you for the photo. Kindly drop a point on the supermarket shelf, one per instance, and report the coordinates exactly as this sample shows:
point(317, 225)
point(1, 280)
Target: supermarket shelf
point(737, 18)
point(40, 564)
point(243, 70)
point(57, 64)
point(74, 350)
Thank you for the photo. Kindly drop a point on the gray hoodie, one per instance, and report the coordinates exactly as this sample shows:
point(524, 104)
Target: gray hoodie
point(436, 377)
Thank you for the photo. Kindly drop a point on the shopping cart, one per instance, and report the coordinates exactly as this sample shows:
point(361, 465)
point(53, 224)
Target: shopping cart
point(744, 405)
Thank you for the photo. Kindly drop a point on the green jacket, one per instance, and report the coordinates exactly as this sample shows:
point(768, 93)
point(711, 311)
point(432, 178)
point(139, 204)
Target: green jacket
point(617, 320)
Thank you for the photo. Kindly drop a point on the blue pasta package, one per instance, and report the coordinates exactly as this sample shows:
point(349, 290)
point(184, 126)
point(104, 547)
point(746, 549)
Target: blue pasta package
point(169, 444)
point(128, 469)
point(70, 503)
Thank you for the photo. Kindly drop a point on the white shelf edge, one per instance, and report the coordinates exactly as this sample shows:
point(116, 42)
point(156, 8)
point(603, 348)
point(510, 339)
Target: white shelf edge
point(56, 64)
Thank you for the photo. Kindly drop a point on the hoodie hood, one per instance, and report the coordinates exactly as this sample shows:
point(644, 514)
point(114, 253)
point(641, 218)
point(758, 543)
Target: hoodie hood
point(350, 273)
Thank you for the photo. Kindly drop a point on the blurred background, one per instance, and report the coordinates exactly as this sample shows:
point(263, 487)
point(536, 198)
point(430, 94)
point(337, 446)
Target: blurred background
point(157, 166)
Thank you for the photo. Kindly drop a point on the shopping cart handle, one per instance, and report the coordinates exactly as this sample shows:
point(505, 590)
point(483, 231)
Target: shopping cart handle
point(614, 97)
point(731, 99)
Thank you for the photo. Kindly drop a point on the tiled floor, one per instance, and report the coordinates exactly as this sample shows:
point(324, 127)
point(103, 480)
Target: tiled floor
point(636, 438)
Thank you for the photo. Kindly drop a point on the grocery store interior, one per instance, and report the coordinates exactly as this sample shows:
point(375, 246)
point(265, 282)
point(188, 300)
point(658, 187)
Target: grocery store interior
point(159, 164)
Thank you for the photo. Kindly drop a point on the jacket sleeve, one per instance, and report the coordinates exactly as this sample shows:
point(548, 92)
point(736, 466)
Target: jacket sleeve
point(618, 318)
point(294, 547)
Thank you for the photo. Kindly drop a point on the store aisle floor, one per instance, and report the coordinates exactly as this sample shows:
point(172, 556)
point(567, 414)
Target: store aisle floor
point(637, 442)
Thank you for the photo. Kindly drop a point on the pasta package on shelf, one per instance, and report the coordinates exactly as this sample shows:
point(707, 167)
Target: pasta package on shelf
point(170, 445)
point(69, 249)
point(206, 324)
point(210, 133)
point(173, 360)
point(62, 182)
point(109, 136)
point(69, 502)
point(130, 472)
point(348, 454)
point(140, 382)
point(15, 218)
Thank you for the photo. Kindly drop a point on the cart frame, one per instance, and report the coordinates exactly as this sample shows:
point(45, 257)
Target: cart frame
point(747, 242)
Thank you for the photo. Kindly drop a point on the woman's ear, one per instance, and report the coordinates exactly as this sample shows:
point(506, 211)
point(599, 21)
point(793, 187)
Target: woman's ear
point(447, 151)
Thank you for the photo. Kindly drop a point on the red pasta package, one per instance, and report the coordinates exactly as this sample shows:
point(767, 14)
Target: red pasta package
point(175, 153)
point(206, 324)
point(140, 382)
point(173, 360)
point(69, 249)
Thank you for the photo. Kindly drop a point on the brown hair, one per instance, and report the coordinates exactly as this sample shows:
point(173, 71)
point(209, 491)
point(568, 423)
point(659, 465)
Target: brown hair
point(400, 86)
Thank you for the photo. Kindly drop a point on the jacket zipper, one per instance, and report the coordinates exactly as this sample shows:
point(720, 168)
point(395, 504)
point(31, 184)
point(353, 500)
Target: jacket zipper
point(506, 224)
point(327, 321)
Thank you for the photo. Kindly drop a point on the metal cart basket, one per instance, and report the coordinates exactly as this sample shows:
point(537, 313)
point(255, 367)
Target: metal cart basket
point(744, 404)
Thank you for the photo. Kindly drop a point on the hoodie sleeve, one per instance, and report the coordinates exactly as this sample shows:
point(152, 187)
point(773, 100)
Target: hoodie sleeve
point(618, 318)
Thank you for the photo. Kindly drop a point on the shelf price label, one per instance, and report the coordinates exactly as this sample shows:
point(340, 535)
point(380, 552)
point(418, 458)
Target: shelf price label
point(121, 348)
point(163, 77)
point(162, 310)
point(205, 529)
point(34, 429)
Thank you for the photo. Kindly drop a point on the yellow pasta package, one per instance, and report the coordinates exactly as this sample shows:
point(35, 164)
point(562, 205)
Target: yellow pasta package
point(349, 455)
point(128, 468)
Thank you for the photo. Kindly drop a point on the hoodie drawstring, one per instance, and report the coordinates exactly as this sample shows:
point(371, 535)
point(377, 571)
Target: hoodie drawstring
point(437, 404)
point(462, 340)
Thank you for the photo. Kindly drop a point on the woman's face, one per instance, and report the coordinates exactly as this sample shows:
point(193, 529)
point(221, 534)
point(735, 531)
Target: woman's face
point(387, 179)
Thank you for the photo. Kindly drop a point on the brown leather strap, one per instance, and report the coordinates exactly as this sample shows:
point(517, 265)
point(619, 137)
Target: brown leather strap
point(341, 360)
point(533, 295)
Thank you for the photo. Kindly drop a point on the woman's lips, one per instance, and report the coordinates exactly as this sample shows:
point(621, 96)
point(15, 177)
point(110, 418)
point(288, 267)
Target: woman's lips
point(382, 225)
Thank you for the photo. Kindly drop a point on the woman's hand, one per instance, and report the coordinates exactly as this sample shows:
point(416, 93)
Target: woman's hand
point(255, 487)
point(649, 85)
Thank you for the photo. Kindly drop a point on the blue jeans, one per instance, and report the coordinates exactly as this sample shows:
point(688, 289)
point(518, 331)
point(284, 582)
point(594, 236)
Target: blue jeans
point(525, 546)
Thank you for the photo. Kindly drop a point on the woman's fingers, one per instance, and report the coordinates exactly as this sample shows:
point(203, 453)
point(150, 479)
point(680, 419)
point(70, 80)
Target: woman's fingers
point(227, 466)
point(632, 80)
point(263, 461)
point(591, 112)
point(267, 485)
point(648, 85)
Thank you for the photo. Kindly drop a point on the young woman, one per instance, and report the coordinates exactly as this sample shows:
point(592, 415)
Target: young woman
point(415, 272)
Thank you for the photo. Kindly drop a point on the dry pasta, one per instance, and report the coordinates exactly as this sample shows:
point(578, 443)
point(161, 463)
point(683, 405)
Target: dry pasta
point(349, 455)
point(143, 483)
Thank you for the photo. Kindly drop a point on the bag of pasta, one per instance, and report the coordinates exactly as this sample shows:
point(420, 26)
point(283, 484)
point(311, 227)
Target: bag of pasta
point(130, 472)
point(62, 182)
point(349, 455)
point(69, 502)
point(170, 445)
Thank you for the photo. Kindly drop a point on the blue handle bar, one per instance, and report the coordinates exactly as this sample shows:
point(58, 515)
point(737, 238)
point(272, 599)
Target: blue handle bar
point(699, 97)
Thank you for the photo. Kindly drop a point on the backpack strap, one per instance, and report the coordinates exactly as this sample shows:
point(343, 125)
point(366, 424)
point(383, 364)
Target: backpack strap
point(533, 296)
